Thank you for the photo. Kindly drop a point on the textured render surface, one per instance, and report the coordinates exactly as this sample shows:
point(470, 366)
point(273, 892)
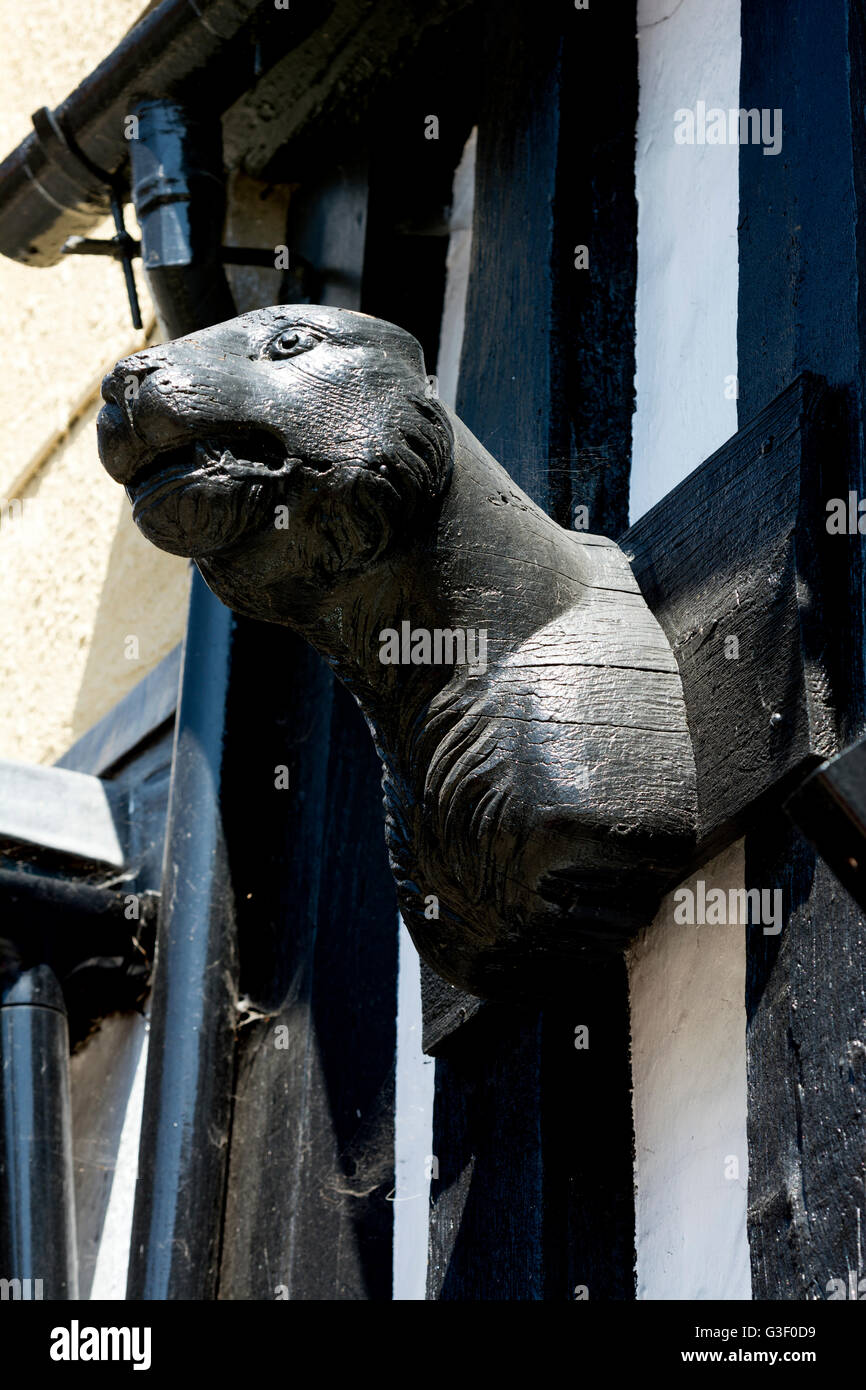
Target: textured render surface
point(686, 309)
point(75, 577)
point(46, 51)
point(688, 1012)
point(76, 581)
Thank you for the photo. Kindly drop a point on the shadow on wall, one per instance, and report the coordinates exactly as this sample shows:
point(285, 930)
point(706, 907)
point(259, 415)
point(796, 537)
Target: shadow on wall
point(140, 616)
point(76, 581)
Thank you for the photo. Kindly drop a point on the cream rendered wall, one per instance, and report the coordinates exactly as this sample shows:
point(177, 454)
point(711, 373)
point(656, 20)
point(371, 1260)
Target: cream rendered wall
point(687, 983)
point(688, 1027)
point(688, 200)
point(76, 579)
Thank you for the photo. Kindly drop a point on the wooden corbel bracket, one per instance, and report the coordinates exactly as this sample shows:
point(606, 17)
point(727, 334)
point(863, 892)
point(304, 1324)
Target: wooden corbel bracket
point(524, 686)
point(738, 565)
point(748, 576)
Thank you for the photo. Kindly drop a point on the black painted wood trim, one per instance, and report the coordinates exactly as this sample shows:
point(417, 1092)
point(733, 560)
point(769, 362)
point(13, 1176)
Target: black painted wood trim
point(146, 710)
point(830, 809)
point(522, 1208)
point(311, 1163)
point(308, 1214)
point(801, 252)
point(737, 565)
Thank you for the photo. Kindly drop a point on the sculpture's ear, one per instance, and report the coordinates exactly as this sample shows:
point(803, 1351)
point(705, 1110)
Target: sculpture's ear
point(403, 349)
point(424, 447)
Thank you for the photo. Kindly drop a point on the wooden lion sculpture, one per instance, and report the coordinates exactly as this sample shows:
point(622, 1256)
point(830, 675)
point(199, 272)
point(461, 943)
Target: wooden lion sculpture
point(527, 709)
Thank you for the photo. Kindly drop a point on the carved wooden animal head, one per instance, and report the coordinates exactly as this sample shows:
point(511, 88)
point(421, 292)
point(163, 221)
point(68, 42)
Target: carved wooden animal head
point(537, 766)
point(320, 411)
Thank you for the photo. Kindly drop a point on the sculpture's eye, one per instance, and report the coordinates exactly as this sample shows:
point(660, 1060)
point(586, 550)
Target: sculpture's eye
point(290, 341)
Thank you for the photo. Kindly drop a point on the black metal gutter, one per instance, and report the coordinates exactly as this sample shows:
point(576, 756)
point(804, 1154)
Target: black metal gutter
point(186, 1117)
point(55, 184)
point(178, 192)
point(37, 1207)
point(65, 945)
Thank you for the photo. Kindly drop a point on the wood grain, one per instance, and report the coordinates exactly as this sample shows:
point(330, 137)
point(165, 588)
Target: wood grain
point(524, 1208)
point(740, 550)
point(802, 258)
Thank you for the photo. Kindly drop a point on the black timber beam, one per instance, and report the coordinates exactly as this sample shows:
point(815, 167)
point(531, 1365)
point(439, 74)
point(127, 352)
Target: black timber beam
point(738, 567)
point(308, 1215)
point(521, 1208)
point(311, 1159)
point(802, 257)
point(830, 809)
point(326, 82)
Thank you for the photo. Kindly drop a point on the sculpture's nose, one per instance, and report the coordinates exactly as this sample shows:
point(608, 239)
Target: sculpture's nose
point(119, 449)
point(123, 383)
point(118, 443)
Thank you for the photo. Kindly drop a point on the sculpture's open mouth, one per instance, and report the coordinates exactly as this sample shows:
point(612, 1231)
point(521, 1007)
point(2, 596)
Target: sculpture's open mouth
point(241, 457)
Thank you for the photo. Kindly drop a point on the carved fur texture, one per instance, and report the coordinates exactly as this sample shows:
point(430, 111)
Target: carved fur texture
point(539, 800)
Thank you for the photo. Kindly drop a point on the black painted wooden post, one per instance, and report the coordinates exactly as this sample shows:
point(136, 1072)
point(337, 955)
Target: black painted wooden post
point(534, 1198)
point(267, 1152)
point(801, 272)
point(311, 1161)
